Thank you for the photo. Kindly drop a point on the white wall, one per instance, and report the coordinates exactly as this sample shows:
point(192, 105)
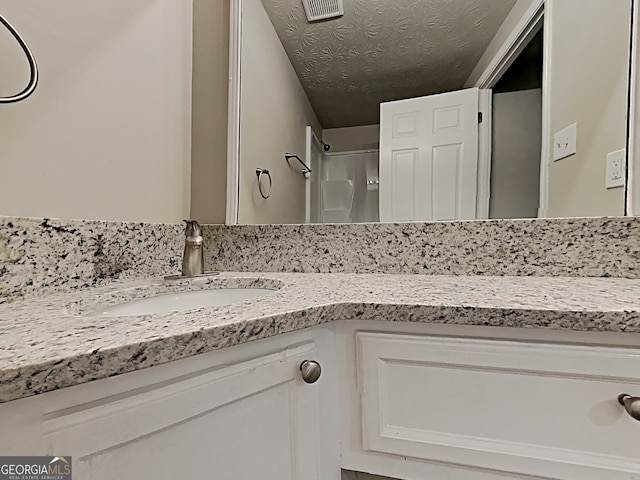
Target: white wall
point(274, 114)
point(633, 197)
point(365, 137)
point(588, 85)
point(107, 133)
point(515, 162)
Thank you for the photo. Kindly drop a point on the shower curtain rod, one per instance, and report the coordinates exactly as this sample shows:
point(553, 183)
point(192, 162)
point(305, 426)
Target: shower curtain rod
point(33, 68)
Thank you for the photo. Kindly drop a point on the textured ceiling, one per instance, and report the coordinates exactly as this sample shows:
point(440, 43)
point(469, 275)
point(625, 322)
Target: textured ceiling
point(383, 50)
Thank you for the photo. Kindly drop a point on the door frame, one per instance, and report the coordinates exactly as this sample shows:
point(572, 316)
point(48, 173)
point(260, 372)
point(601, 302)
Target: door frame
point(233, 118)
point(515, 40)
point(632, 181)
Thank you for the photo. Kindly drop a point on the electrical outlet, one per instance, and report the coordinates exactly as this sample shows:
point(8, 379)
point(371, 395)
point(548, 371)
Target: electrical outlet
point(565, 142)
point(616, 169)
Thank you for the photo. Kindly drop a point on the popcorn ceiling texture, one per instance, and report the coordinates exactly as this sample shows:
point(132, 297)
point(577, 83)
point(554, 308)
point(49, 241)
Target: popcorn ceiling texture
point(382, 50)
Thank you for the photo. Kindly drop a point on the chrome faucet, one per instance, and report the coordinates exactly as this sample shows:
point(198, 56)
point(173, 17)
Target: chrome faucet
point(193, 258)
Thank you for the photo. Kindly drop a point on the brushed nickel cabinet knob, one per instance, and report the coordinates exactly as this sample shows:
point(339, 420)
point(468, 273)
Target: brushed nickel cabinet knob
point(310, 371)
point(630, 404)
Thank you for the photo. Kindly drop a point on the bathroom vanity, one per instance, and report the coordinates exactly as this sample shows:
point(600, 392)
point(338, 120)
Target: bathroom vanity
point(422, 377)
point(483, 350)
point(432, 406)
point(242, 413)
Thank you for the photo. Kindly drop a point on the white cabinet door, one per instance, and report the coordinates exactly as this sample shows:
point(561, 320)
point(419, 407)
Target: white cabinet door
point(512, 408)
point(429, 157)
point(253, 420)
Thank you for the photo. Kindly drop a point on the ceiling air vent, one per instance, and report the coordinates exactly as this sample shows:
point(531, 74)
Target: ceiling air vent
point(321, 9)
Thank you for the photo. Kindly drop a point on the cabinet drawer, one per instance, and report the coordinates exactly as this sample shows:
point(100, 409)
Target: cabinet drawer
point(544, 410)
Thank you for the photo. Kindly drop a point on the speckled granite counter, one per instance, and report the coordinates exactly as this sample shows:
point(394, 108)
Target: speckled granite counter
point(49, 343)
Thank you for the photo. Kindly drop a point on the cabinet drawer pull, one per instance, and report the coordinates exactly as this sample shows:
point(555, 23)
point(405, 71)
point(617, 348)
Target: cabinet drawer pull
point(630, 404)
point(310, 371)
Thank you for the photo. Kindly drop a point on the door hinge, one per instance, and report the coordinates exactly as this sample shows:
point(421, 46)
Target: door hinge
point(479, 117)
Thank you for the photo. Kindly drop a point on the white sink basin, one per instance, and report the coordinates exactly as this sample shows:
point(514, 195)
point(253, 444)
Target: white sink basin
point(175, 302)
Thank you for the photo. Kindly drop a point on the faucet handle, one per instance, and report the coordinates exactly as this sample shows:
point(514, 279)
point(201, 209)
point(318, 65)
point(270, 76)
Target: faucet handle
point(192, 229)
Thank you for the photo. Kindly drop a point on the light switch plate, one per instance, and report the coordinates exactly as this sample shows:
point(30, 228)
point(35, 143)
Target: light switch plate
point(565, 142)
point(616, 166)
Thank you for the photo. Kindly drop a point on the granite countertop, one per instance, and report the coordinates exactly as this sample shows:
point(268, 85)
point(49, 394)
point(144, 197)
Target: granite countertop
point(51, 342)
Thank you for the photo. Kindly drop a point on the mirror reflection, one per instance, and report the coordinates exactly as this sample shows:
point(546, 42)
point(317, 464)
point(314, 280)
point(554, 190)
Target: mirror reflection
point(408, 110)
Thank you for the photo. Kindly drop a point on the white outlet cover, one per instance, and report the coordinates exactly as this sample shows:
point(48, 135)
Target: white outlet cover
point(616, 169)
point(565, 142)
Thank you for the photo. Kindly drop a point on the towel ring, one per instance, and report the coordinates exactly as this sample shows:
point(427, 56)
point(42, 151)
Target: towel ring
point(33, 68)
point(259, 173)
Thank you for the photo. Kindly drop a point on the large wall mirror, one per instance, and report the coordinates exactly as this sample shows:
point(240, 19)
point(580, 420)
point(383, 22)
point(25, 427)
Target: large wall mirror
point(429, 110)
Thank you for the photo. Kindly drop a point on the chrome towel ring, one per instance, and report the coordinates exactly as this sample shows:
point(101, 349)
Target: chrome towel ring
point(33, 68)
point(259, 173)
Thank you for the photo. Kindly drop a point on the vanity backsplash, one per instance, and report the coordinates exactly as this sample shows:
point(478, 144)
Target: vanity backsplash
point(41, 256)
point(577, 247)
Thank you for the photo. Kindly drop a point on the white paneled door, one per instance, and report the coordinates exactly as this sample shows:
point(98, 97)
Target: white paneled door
point(429, 157)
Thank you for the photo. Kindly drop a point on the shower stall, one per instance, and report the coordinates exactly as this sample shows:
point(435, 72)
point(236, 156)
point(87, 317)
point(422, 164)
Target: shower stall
point(344, 186)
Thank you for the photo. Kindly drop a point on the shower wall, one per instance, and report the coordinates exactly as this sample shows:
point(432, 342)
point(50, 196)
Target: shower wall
point(347, 188)
point(315, 181)
point(348, 139)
